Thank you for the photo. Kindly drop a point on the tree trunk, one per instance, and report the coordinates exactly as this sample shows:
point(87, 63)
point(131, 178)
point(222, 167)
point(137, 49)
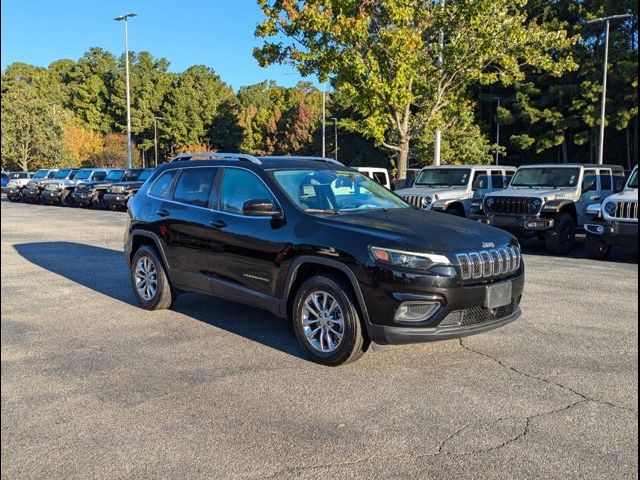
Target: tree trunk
point(628, 148)
point(403, 157)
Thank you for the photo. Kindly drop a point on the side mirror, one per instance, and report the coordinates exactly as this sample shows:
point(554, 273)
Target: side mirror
point(480, 183)
point(259, 208)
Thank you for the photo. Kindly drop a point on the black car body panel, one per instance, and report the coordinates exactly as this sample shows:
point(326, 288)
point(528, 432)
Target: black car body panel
point(262, 260)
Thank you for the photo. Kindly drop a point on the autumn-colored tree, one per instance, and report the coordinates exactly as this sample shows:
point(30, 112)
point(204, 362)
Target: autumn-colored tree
point(81, 144)
point(114, 153)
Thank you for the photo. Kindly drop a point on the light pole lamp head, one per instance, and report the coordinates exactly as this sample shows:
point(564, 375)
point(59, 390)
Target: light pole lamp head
point(125, 17)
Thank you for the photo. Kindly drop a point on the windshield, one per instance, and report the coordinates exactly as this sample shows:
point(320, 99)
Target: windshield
point(546, 177)
point(63, 173)
point(444, 177)
point(145, 174)
point(83, 174)
point(331, 191)
point(114, 175)
point(633, 180)
point(40, 174)
point(131, 176)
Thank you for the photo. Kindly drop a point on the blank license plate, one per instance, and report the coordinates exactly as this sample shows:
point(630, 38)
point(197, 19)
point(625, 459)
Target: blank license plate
point(499, 295)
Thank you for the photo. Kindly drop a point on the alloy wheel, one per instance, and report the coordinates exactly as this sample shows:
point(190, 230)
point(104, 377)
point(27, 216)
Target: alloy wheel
point(322, 321)
point(146, 278)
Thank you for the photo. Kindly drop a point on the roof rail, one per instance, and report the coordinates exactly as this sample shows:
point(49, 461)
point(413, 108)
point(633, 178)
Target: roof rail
point(183, 157)
point(300, 157)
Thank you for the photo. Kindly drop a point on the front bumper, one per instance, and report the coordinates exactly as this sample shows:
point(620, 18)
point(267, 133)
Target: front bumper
point(83, 199)
point(516, 223)
point(31, 194)
point(51, 196)
point(462, 307)
point(117, 201)
point(13, 192)
point(614, 233)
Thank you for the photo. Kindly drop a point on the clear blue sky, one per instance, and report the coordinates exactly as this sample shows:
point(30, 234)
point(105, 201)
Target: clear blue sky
point(216, 33)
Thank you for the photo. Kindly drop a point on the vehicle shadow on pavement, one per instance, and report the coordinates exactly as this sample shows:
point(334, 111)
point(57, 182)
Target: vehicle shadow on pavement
point(105, 271)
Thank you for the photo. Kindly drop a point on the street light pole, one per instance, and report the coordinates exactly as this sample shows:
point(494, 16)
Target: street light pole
point(438, 137)
point(155, 136)
point(603, 107)
point(497, 134)
point(324, 116)
point(335, 137)
point(126, 67)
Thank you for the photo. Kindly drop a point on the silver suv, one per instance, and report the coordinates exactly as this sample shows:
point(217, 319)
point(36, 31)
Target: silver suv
point(614, 221)
point(457, 190)
point(551, 201)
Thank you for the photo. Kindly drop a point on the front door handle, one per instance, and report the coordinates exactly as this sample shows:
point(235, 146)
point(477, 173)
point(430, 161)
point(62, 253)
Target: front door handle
point(163, 212)
point(596, 198)
point(218, 223)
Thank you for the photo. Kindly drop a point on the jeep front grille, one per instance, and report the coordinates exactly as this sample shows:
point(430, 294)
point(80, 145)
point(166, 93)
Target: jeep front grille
point(626, 211)
point(116, 189)
point(511, 205)
point(416, 200)
point(486, 264)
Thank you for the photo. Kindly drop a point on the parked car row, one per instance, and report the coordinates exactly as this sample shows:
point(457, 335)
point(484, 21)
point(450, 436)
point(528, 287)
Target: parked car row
point(551, 202)
point(85, 187)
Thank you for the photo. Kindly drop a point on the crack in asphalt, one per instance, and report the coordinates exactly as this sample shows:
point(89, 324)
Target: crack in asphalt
point(545, 380)
point(439, 450)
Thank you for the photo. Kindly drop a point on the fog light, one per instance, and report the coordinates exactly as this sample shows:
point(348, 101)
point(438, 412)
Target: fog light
point(416, 311)
point(600, 229)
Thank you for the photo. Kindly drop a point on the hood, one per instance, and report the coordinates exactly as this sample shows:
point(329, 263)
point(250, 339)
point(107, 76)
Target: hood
point(98, 183)
point(441, 192)
point(630, 195)
point(541, 193)
point(420, 230)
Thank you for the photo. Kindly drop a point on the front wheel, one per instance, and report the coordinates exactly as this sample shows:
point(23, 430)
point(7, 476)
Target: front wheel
point(597, 248)
point(559, 241)
point(327, 322)
point(66, 200)
point(149, 280)
point(99, 202)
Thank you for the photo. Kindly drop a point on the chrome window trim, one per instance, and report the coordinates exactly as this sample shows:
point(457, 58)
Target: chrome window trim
point(252, 217)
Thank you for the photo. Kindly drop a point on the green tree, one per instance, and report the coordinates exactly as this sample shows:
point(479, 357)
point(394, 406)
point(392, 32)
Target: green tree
point(384, 55)
point(30, 134)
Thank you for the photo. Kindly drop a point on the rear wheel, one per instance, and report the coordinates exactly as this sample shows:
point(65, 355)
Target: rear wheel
point(327, 322)
point(149, 280)
point(559, 240)
point(597, 248)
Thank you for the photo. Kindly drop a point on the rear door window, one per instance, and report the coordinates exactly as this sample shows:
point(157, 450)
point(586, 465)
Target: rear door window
point(194, 186)
point(162, 185)
point(605, 180)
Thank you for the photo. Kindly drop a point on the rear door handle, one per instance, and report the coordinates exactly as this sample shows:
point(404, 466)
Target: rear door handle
point(218, 223)
point(597, 197)
point(163, 212)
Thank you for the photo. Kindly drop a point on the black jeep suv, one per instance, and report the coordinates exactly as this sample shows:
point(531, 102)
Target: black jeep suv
point(307, 238)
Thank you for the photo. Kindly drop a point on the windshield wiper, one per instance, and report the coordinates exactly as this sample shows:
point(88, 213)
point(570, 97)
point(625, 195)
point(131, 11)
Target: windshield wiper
point(317, 210)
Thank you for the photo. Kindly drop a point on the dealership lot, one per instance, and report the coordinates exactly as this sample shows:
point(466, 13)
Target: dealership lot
point(93, 386)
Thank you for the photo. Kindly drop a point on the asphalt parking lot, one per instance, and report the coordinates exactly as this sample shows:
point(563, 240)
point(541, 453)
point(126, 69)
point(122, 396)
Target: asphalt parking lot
point(94, 387)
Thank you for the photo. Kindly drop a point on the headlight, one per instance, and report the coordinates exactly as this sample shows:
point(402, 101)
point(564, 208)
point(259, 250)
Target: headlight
point(425, 202)
point(489, 202)
point(610, 207)
point(415, 260)
point(536, 204)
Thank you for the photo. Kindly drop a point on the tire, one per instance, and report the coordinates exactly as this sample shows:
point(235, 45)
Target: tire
point(455, 211)
point(162, 298)
point(66, 200)
point(597, 249)
point(99, 202)
point(353, 343)
point(559, 241)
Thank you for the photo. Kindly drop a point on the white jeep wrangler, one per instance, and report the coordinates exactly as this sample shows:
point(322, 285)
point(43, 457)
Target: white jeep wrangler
point(614, 221)
point(457, 190)
point(551, 201)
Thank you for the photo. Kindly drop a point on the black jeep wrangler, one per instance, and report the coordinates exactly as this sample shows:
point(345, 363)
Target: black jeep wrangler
point(348, 261)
